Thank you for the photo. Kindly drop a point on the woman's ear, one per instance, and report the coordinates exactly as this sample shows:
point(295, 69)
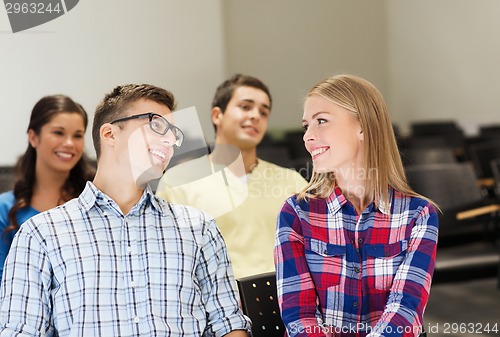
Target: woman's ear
point(216, 114)
point(33, 138)
point(361, 135)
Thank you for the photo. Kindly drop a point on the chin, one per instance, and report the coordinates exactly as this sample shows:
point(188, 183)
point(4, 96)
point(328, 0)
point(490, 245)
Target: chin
point(145, 175)
point(322, 169)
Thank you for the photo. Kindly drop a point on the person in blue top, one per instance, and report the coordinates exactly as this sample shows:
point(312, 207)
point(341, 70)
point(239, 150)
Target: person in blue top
point(53, 168)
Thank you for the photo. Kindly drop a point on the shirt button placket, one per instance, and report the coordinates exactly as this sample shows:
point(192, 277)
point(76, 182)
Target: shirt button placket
point(130, 266)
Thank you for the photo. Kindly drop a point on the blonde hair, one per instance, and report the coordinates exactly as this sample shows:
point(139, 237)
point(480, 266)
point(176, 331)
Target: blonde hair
point(382, 159)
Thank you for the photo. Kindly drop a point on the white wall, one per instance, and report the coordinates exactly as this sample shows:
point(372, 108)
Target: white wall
point(293, 44)
point(430, 59)
point(444, 61)
point(100, 44)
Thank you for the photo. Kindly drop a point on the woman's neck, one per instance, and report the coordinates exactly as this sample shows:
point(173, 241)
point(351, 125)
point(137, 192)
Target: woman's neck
point(48, 190)
point(353, 186)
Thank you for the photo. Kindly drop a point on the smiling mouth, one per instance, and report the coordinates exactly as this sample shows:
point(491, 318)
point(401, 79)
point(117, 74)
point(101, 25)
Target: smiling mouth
point(159, 154)
point(65, 155)
point(251, 128)
point(316, 152)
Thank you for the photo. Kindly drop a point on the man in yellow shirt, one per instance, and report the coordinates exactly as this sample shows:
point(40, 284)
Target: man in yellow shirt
point(244, 193)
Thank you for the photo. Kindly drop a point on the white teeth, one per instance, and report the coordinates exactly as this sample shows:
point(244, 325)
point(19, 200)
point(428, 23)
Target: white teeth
point(318, 151)
point(158, 153)
point(64, 155)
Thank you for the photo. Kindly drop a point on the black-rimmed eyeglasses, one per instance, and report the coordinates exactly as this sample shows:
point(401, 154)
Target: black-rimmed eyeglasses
point(158, 124)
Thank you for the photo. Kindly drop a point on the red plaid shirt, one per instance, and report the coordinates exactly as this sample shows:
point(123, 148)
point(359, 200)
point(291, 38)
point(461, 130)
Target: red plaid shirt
point(344, 274)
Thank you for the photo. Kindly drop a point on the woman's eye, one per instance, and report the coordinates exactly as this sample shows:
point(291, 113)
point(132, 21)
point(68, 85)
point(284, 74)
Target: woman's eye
point(59, 133)
point(245, 107)
point(321, 120)
point(304, 127)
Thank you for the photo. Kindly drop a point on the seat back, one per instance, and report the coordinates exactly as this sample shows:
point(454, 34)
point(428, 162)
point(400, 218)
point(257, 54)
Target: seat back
point(428, 155)
point(495, 168)
point(276, 154)
point(450, 185)
point(260, 303)
point(482, 154)
point(7, 178)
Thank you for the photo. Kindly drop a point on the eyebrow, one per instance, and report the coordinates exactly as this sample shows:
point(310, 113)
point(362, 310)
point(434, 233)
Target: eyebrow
point(253, 102)
point(63, 128)
point(316, 115)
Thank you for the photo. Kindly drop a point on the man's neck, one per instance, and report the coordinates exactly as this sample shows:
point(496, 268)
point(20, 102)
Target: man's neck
point(226, 154)
point(119, 187)
point(249, 159)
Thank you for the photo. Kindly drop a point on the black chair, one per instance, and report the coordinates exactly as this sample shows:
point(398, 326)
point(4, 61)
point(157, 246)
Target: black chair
point(304, 166)
point(467, 213)
point(413, 141)
point(468, 223)
point(450, 131)
point(430, 155)
point(259, 302)
point(429, 127)
point(495, 169)
point(450, 185)
point(294, 139)
point(7, 178)
point(491, 131)
point(276, 154)
point(481, 155)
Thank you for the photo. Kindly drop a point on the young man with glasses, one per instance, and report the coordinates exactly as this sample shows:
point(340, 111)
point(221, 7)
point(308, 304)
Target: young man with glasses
point(243, 192)
point(118, 261)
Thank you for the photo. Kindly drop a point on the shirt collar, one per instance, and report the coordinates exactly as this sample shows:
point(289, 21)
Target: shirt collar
point(91, 196)
point(337, 200)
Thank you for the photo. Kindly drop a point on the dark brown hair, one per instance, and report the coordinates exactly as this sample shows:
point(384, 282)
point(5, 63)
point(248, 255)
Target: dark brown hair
point(119, 99)
point(226, 89)
point(43, 112)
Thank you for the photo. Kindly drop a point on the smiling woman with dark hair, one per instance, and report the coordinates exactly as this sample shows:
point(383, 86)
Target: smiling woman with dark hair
point(53, 169)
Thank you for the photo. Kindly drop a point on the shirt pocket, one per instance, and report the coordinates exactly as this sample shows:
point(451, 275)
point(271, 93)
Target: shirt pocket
point(326, 262)
point(383, 261)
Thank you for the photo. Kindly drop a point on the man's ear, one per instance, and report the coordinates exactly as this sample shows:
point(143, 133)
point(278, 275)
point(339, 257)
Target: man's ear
point(107, 135)
point(217, 115)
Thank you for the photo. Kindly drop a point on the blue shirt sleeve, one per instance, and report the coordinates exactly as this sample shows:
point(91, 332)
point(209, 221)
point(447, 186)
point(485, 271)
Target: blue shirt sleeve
point(7, 200)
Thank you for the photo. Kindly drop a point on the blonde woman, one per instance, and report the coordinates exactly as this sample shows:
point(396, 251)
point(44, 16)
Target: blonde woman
point(355, 250)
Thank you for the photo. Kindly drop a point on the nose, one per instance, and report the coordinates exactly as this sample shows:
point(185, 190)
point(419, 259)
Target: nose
point(309, 135)
point(254, 113)
point(169, 138)
point(68, 141)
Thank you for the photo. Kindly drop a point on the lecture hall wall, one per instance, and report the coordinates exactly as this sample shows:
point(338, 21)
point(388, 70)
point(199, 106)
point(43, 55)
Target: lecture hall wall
point(430, 59)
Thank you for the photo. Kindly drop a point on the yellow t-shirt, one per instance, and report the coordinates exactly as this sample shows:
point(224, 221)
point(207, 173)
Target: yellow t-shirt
point(245, 206)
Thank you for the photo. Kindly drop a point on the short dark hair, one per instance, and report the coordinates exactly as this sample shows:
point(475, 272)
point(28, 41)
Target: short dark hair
point(225, 91)
point(119, 99)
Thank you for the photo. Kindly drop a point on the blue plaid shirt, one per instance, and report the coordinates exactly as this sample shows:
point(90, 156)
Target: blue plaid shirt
point(86, 269)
